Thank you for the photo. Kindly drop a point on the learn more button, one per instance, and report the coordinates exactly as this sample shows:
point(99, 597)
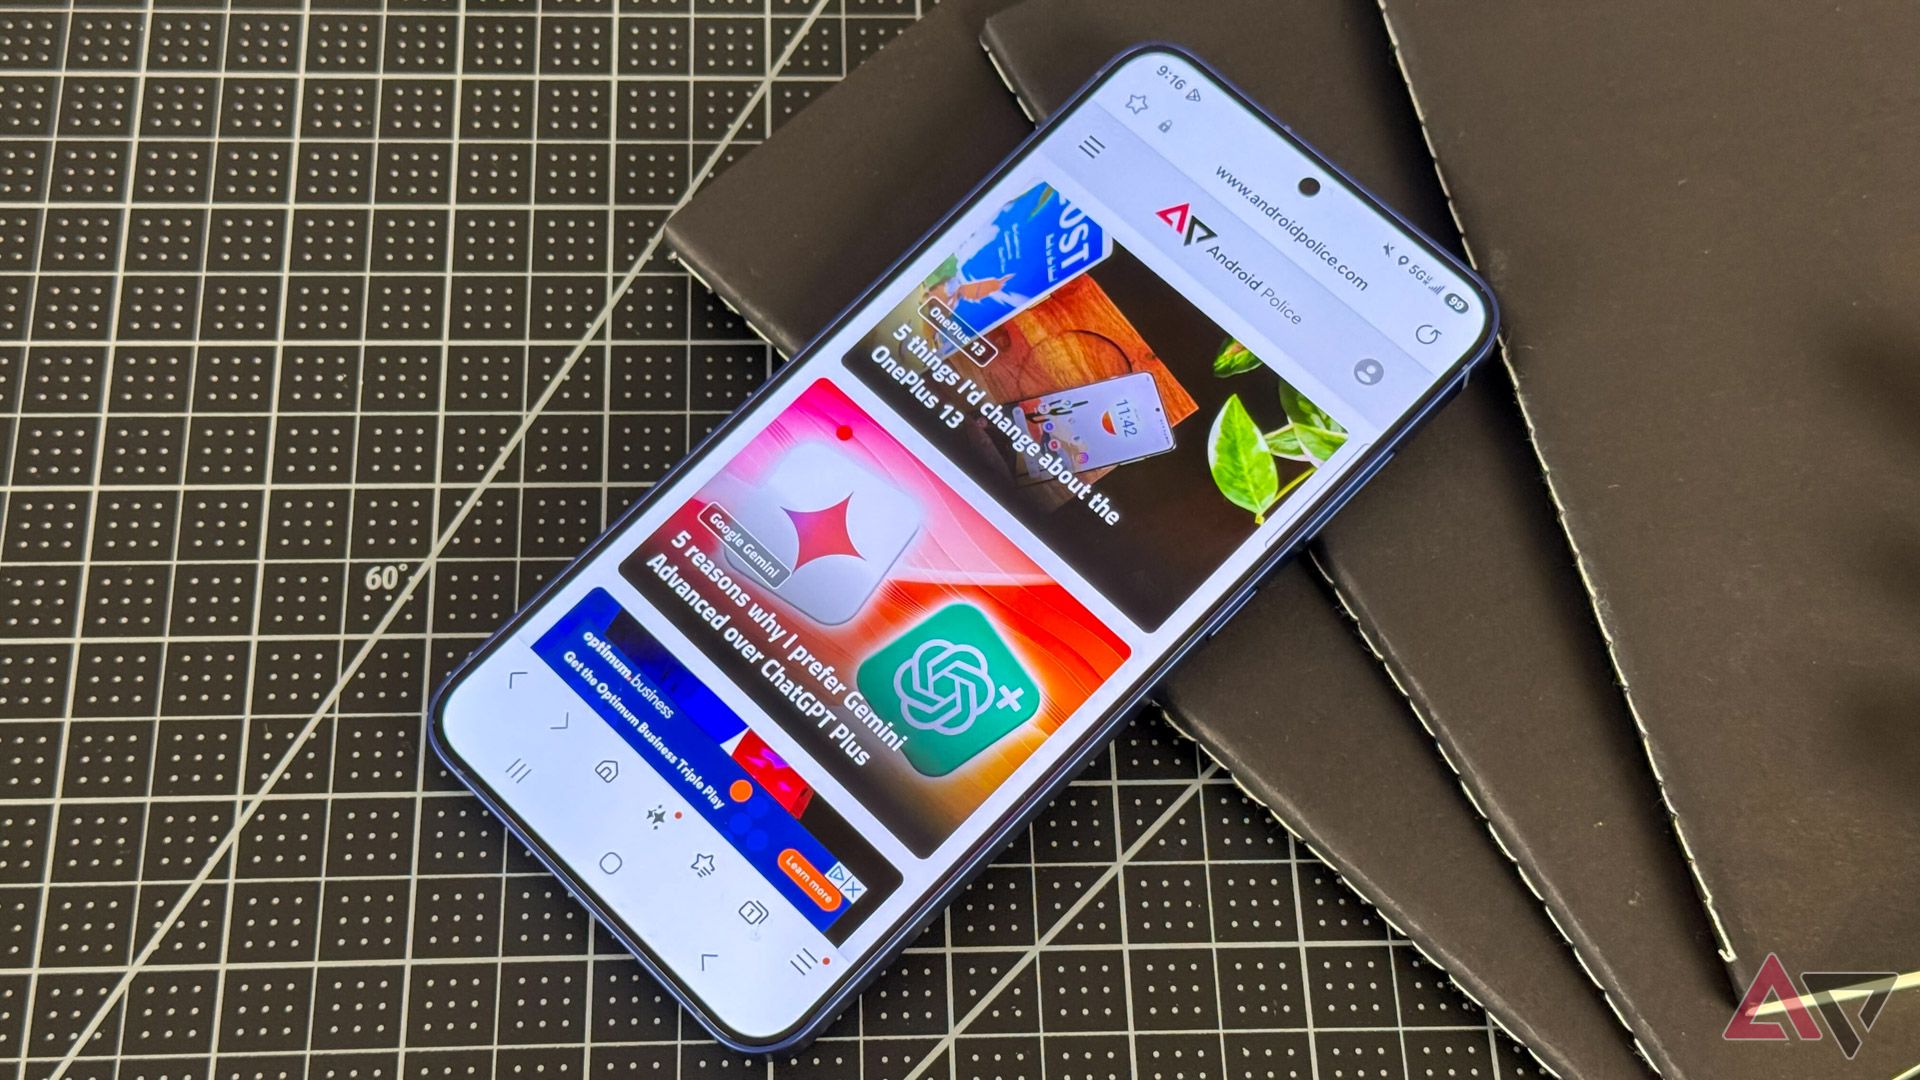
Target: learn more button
point(810, 879)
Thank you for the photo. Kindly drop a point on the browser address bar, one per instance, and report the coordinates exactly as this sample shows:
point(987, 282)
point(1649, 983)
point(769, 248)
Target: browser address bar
point(1231, 184)
point(1236, 266)
point(1294, 201)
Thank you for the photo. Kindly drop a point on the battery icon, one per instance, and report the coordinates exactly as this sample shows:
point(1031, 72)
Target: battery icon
point(1457, 302)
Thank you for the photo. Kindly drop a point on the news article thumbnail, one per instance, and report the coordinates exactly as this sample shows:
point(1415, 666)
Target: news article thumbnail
point(908, 645)
point(1130, 432)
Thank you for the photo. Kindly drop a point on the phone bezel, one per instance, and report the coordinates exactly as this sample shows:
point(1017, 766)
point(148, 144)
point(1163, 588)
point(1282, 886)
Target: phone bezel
point(835, 996)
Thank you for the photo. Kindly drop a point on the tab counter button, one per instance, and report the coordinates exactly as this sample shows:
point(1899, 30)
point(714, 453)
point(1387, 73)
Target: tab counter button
point(810, 879)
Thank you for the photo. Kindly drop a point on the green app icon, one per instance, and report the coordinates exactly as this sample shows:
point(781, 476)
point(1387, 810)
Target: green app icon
point(951, 686)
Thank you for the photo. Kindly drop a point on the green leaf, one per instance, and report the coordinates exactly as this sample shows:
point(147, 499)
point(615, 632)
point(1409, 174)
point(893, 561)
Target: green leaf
point(1238, 458)
point(1233, 359)
point(1285, 442)
point(1319, 443)
point(1319, 434)
point(1301, 411)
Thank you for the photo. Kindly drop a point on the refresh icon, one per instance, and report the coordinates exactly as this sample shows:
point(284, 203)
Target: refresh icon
point(1426, 334)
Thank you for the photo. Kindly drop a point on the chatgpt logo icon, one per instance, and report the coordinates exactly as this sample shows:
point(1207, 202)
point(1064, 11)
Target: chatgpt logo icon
point(952, 685)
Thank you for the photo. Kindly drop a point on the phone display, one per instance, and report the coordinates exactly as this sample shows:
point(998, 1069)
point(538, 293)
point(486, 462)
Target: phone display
point(1033, 244)
point(770, 722)
point(1090, 427)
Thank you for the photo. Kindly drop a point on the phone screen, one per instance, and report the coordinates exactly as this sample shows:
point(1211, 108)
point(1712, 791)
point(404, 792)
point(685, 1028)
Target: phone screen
point(773, 717)
point(1091, 427)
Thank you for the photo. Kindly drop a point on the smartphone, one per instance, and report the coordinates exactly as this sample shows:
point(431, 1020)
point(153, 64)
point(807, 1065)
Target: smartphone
point(1110, 422)
point(769, 724)
point(1033, 244)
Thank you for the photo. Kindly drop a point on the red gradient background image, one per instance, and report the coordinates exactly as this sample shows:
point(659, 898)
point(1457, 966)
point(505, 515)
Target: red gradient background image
point(956, 556)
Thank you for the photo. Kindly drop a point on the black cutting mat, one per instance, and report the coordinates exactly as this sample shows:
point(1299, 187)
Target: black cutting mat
point(284, 295)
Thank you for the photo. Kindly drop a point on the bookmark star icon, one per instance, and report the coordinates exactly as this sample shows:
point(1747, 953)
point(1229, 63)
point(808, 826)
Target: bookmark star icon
point(1136, 103)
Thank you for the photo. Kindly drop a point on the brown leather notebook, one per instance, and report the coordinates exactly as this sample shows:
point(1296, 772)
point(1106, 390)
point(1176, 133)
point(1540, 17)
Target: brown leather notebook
point(791, 233)
point(1459, 575)
point(1704, 223)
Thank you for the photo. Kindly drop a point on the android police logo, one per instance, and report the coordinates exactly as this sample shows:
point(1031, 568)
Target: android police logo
point(944, 687)
point(1180, 218)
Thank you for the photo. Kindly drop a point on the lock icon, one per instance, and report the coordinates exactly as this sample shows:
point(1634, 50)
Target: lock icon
point(1166, 125)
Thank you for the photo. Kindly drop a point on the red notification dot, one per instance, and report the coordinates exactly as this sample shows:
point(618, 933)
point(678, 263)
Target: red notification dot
point(825, 960)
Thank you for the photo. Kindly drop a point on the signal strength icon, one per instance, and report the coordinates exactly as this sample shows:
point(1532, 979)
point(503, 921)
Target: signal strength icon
point(1435, 290)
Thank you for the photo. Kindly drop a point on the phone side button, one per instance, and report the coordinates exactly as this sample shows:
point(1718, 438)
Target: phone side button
point(1373, 470)
point(1233, 608)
